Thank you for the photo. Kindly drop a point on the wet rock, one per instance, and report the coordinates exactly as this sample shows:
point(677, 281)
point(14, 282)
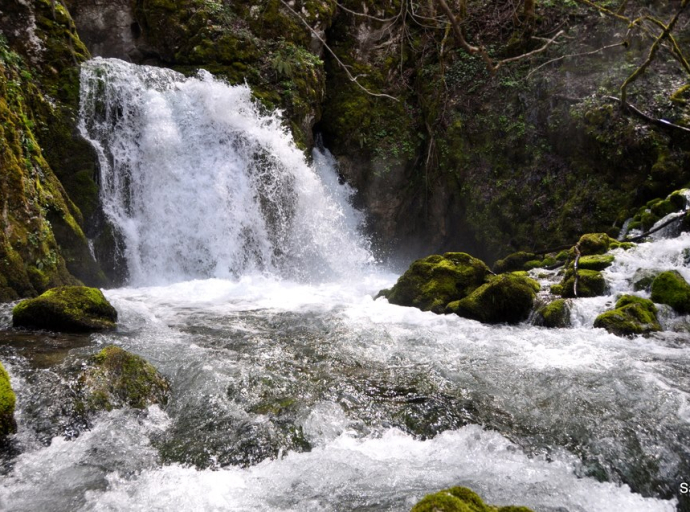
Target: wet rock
point(643, 279)
point(590, 283)
point(68, 309)
point(7, 403)
point(555, 314)
point(596, 262)
point(460, 499)
point(432, 282)
point(670, 288)
point(506, 298)
point(515, 261)
point(632, 315)
point(118, 378)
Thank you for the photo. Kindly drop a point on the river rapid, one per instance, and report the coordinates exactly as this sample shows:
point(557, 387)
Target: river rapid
point(293, 389)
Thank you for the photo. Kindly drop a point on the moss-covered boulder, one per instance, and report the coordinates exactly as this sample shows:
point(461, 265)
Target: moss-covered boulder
point(590, 283)
point(7, 403)
point(594, 243)
point(596, 262)
point(68, 309)
point(432, 282)
point(670, 288)
point(118, 378)
point(515, 261)
point(460, 499)
point(506, 298)
point(555, 314)
point(632, 315)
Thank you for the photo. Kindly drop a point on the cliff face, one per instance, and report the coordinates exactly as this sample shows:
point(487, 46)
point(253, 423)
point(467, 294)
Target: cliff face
point(42, 242)
point(444, 154)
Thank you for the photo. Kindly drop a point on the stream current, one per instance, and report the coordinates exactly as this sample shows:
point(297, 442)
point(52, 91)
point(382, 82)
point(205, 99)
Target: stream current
point(251, 290)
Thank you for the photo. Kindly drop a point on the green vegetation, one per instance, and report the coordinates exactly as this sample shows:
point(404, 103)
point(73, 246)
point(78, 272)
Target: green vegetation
point(66, 308)
point(506, 298)
point(631, 316)
point(555, 314)
point(460, 499)
point(432, 282)
point(670, 288)
point(119, 378)
point(7, 403)
point(590, 283)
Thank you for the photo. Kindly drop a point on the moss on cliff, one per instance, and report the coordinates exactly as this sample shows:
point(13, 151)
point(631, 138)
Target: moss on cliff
point(7, 404)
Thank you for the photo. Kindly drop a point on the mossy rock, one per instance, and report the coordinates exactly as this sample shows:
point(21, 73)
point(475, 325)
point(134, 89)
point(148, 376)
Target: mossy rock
point(7, 403)
point(432, 282)
point(504, 299)
point(555, 314)
point(632, 315)
point(460, 499)
point(68, 309)
point(595, 262)
point(594, 243)
point(118, 378)
point(670, 288)
point(590, 283)
point(515, 261)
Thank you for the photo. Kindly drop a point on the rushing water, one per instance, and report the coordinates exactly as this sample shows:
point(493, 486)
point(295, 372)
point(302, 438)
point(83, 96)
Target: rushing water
point(293, 389)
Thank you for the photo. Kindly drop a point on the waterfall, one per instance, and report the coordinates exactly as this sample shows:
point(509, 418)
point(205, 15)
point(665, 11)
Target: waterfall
point(200, 182)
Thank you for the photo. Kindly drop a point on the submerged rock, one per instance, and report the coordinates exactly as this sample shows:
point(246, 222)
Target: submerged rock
point(7, 403)
point(555, 314)
point(670, 288)
point(632, 315)
point(432, 282)
point(118, 378)
point(460, 499)
point(505, 298)
point(68, 309)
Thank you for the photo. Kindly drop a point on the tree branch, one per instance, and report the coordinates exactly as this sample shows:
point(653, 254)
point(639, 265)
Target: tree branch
point(340, 62)
point(585, 54)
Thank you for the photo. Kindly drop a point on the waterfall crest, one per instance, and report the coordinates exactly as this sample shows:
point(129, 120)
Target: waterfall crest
point(200, 183)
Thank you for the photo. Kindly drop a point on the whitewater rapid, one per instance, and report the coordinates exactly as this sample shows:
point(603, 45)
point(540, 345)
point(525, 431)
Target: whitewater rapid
point(251, 288)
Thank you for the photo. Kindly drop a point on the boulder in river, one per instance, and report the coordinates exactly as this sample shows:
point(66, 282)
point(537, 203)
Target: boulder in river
point(118, 378)
point(67, 309)
point(555, 314)
point(632, 315)
point(670, 288)
point(7, 403)
point(432, 282)
point(505, 298)
point(460, 499)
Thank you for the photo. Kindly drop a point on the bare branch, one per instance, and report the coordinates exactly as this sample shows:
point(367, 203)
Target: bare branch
point(659, 122)
point(652, 52)
point(529, 54)
point(364, 15)
point(340, 62)
point(606, 11)
point(584, 54)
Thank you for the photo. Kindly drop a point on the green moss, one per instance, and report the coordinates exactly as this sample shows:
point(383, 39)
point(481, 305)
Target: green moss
point(7, 404)
point(432, 282)
point(459, 499)
point(516, 261)
point(556, 314)
point(595, 262)
point(632, 316)
point(670, 288)
point(594, 243)
point(119, 378)
point(590, 283)
point(505, 298)
point(67, 308)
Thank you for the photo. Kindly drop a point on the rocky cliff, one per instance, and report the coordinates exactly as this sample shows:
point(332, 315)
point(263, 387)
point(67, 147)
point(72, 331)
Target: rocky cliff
point(445, 154)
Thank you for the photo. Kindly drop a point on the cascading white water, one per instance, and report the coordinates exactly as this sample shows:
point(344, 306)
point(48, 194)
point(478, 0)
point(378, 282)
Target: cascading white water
point(200, 183)
point(294, 395)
